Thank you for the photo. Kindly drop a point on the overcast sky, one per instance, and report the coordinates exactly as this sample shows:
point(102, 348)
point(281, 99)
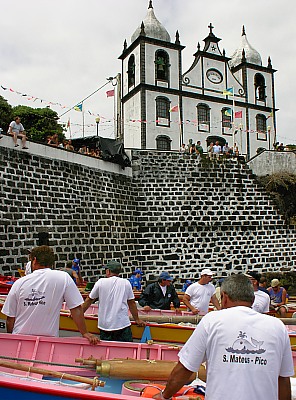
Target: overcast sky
point(61, 51)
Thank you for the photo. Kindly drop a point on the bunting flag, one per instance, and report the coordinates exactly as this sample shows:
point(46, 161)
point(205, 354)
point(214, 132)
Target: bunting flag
point(78, 107)
point(228, 92)
point(228, 112)
point(174, 109)
point(238, 114)
point(270, 115)
point(110, 93)
point(68, 124)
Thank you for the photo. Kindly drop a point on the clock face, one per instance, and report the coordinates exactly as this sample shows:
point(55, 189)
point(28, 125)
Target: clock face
point(214, 75)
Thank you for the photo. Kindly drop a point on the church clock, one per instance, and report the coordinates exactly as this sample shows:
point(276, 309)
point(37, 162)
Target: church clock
point(214, 75)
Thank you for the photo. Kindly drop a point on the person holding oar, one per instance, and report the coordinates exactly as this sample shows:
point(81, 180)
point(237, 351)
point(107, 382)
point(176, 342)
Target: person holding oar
point(34, 302)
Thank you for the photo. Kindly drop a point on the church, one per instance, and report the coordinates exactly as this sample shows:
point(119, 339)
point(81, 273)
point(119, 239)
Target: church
point(218, 98)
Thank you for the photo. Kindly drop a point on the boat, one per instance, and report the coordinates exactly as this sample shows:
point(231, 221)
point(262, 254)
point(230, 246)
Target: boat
point(6, 283)
point(36, 367)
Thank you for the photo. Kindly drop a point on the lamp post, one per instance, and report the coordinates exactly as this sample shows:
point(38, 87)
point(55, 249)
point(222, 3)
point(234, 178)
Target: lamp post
point(98, 119)
point(269, 133)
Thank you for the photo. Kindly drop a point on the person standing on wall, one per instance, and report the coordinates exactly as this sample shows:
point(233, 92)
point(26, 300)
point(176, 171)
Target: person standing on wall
point(34, 302)
point(116, 298)
point(160, 294)
point(198, 295)
point(16, 130)
point(248, 354)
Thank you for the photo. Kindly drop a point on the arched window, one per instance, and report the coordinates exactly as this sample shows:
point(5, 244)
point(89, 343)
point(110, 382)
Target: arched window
point(162, 111)
point(203, 117)
point(131, 71)
point(226, 117)
point(259, 83)
point(162, 65)
point(261, 127)
point(163, 143)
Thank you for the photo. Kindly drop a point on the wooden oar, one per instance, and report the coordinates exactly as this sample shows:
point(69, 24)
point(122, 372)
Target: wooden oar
point(193, 319)
point(22, 367)
point(44, 362)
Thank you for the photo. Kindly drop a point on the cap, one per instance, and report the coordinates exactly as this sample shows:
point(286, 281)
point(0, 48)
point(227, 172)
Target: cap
point(138, 271)
point(188, 281)
point(206, 271)
point(113, 265)
point(165, 276)
point(76, 261)
point(274, 283)
point(253, 274)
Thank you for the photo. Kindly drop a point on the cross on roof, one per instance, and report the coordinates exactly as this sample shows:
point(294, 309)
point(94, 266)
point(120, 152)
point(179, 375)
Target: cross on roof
point(211, 28)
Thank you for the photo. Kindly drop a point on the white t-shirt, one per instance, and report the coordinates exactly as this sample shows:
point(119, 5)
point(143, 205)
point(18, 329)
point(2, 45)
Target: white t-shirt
point(113, 294)
point(246, 352)
point(217, 148)
point(35, 301)
point(200, 296)
point(17, 128)
point(261, 302)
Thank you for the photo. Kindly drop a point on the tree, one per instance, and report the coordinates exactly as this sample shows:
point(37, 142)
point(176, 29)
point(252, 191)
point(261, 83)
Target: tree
point(5, 114)
point(39, 123)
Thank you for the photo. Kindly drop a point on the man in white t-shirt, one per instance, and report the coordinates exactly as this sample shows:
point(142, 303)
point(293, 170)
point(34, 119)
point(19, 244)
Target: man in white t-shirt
point(115, 297)
point(262, 299)
point(198, 295)
point(248, 354)
point(34, 302)
point(16, 130)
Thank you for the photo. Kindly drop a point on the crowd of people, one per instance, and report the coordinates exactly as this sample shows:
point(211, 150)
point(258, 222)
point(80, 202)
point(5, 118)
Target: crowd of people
point(214, 150)
point(240, 344)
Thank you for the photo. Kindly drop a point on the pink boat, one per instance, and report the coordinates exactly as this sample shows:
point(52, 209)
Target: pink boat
point(58, 355)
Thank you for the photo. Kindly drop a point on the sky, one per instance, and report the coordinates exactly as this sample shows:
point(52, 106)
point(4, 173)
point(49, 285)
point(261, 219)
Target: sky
point(62, 51)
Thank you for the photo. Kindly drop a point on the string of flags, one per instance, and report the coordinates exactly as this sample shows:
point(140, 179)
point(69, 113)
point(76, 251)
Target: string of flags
point(77, 107)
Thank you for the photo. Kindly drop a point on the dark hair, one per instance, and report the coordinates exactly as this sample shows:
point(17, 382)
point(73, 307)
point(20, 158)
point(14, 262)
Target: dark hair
point(44, 256)
point(238, 288)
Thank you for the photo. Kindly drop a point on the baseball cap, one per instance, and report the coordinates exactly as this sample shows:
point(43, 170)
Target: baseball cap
point(188, 281)
point(275, 282)
point(165, 276)
point(138, 271)
point(76, 261)
point(206, 271)
point(113, 265)
point(253, 274)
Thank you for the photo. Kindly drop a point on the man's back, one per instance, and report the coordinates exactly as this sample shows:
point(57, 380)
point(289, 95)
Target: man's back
point(246, 352)
point(36, 299)
point(113, 294)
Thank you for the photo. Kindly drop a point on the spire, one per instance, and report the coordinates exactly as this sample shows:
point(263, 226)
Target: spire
point(269, 63)
point(243, 56)
point(142, 33)
point(125, 45)
point(177, 41)
point(245, 52)
point(150, 4)
point(243, 32)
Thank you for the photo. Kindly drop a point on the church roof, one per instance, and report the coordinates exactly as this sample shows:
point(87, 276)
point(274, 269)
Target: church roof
point(245, 51)
point(152, 27)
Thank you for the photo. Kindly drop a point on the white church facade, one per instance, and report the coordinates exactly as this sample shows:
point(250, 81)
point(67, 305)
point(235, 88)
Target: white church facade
point(229, 99)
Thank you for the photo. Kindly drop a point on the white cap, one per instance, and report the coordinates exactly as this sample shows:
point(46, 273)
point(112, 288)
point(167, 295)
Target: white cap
point(206, 271)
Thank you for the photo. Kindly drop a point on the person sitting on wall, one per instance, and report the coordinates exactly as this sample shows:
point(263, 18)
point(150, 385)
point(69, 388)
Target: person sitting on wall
point(16, 130)
point(199, 148)
point(160, 294)
point(278, 296)
point(136, 279)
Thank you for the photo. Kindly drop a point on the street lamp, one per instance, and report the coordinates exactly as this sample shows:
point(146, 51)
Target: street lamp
point(98, 119)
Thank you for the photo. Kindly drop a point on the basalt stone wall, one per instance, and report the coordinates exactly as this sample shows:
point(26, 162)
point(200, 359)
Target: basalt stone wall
point(80, 211)
point(173, 213)
point(196, 215)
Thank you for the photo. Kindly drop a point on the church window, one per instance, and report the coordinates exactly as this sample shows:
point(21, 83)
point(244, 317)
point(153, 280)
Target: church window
point(226, 114)
point(162, 111)
point(162, 65)
point(131, 71)
point(163, 143)
point(259, 82)
point(203, 117)
point(261, 127)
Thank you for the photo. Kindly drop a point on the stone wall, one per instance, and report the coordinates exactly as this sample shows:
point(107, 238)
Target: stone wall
point(271, 162)
point(170, 212)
